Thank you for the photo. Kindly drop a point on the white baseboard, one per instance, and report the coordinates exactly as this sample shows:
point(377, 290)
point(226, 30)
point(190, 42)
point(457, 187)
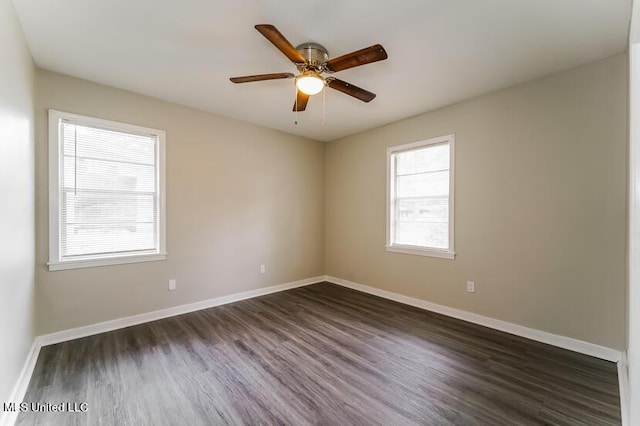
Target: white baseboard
point(519, 330)
point(19, 390)
point(623, 379)
point(9, 418)
point(89, 330)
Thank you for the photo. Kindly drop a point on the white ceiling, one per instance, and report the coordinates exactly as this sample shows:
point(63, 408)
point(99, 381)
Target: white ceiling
point(440, 51)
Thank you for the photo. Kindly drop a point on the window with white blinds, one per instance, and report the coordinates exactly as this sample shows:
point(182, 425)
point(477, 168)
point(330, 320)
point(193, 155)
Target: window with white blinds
point(106, 192)
point(420, 198)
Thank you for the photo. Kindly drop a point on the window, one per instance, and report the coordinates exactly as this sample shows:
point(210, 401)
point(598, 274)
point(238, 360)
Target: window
point(106, 192)
point(420, 198)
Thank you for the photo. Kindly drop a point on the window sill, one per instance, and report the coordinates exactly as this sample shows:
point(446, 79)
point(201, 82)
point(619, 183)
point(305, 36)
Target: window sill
point(91, 263)
point(418, 251)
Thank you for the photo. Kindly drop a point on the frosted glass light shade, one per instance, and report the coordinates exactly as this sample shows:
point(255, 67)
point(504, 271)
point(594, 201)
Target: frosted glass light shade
point(311, 84)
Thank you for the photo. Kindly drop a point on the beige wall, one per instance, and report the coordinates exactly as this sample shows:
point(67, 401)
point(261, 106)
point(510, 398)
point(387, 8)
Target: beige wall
point(540, 205)
point(633, 275)
point(237, 196)
point(17, 314)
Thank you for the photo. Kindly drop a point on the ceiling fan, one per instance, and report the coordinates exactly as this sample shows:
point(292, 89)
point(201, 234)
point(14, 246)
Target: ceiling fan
point(312, 60)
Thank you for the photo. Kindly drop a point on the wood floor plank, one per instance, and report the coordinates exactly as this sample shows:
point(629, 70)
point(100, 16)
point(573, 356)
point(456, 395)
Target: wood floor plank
point(319, 354)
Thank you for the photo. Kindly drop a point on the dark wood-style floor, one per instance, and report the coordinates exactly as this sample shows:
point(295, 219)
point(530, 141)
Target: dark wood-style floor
point(320, 354)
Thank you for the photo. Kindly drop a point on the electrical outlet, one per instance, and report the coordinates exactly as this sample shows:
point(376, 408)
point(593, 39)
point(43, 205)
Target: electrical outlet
point(471, 286)
point(172, 284)
point(262, 269)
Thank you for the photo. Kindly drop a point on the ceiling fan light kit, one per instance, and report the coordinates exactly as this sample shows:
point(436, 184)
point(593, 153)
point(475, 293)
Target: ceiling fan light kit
point(312, 60)
point(310, 83)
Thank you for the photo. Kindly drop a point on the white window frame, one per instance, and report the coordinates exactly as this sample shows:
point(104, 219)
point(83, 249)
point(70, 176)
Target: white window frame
point(410, 249)
point(55, 263)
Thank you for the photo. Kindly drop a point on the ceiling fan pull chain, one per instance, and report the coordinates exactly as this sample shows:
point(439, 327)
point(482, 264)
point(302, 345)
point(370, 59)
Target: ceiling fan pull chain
point(324, 106)
point(295, 88)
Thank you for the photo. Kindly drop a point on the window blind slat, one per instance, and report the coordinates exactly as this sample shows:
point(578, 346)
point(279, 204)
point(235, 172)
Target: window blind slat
point(90, 142)
point(424, 159)
point(108, 192)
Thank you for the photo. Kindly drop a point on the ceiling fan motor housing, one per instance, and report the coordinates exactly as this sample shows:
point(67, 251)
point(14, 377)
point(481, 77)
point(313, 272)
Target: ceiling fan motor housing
point(314, 53)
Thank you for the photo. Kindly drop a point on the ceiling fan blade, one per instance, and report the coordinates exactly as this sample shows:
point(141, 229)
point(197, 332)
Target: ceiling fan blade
point(359, 57)
point(301, 101)
point(350, 89)
point(272, 34)
point(261, 77)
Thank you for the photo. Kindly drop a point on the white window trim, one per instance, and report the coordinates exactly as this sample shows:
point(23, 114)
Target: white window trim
point(417, 250)
point(55, 264)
